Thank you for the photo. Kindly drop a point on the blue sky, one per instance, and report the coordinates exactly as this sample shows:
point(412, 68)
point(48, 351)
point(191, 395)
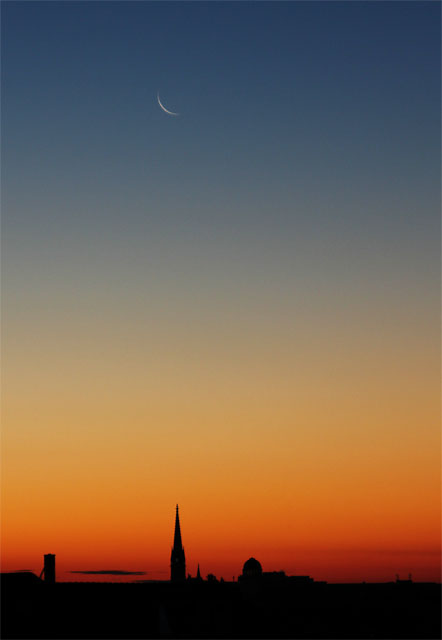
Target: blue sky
point(306, 153)
point(274, 97)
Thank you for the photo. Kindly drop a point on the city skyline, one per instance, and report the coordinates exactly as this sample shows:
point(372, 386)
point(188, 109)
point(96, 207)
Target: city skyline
point(236, 309)
point(177, 571)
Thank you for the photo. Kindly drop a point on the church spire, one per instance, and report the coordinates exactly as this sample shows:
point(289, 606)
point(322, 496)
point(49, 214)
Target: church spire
point(177, 557)
point(177, 544)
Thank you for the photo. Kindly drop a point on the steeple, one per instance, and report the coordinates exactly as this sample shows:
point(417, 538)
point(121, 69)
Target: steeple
point(177, 557)
point(177, 544)
point(198, 574)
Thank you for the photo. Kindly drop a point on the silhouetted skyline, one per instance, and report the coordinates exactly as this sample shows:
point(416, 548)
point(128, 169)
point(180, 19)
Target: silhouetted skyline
point(263, 604)
point(252, 569)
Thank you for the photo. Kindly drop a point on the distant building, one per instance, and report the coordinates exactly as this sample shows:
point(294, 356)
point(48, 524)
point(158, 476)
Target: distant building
point(212, 578)
point(20, 581)
point(197, 579)
point(252, 573)
point(49, 568)
point(177, 557)
point(251, 569)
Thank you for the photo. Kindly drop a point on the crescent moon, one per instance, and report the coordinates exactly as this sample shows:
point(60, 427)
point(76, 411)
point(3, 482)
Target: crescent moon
point(171, 113)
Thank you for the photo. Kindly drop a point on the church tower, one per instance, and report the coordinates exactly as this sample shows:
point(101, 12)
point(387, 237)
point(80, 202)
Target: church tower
point(177, 557)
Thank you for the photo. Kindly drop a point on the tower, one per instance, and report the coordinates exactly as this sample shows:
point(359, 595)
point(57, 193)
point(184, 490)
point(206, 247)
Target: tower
point(177, 557)
point(49, 568)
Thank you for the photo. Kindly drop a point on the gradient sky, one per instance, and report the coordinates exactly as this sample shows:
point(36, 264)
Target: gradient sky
point(236, 309)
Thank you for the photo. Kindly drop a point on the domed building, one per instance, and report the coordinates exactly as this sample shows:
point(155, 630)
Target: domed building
point(252, 568)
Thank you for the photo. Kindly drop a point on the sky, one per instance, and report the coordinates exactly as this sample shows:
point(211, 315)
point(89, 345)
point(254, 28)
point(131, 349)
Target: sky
point(236, 309)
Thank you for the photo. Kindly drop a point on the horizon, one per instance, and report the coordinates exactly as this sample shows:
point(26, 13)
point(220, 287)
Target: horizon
point(236, 307)
point(94, 575)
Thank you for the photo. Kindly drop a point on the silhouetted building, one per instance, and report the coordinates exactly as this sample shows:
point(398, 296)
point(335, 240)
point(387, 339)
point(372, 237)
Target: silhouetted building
point(252, 573)
point(49, 568)
point(177, 557)
point(212, 578)
point(251, 569)
point(197, 580)
point(20, 581)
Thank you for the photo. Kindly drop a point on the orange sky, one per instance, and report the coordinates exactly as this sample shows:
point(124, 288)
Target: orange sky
point(321, 460)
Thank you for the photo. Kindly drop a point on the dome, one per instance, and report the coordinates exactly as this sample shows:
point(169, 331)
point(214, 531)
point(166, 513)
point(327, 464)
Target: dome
point(252, 568)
